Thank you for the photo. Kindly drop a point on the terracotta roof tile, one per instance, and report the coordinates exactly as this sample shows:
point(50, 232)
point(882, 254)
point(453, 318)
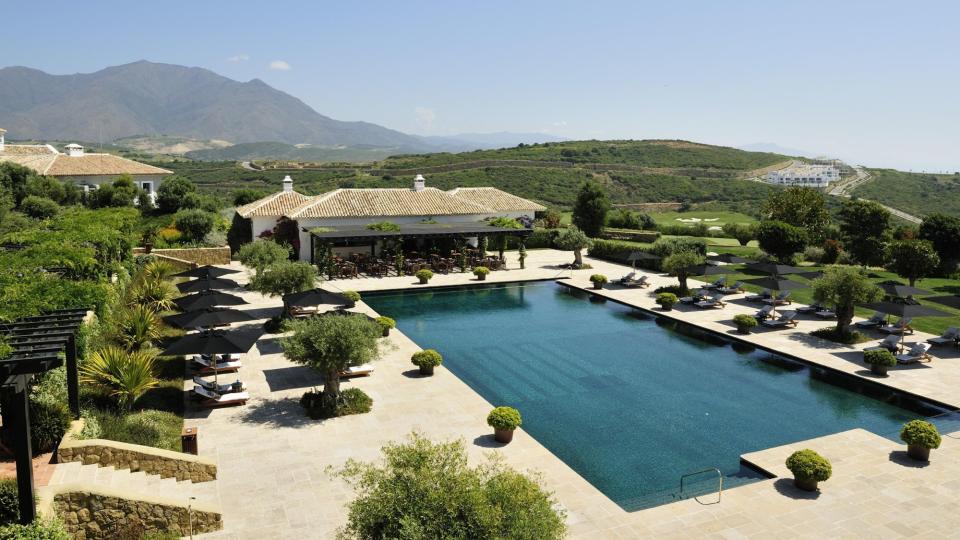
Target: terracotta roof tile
point(99, 164)
point(386, 203)
point(278, 204)
point(496, 200)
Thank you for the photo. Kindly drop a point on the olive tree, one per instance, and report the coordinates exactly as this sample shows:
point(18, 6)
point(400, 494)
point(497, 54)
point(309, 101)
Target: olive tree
point(424, 489)
point(844, 287)
point(575, 240)
point(679, 265)
point(330, 344)
point(262, 253)
point(912, 259)
point(285, 277)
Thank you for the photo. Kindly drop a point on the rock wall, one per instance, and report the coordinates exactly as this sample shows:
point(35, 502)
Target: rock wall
point(200, 256)
point(92, 513)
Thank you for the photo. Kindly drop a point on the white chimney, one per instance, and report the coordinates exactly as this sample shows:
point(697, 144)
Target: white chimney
point(419, 183)
point(2, 143)
point(287, 184)
point(74, 150)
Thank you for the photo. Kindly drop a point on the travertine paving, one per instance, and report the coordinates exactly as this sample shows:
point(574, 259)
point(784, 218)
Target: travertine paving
point(273, 461)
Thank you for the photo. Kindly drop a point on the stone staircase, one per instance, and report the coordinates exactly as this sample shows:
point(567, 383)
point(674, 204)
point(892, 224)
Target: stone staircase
point(136, 483)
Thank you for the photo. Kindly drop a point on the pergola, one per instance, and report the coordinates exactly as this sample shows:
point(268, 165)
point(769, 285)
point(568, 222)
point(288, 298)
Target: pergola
point(362, 236)
point(39, 343)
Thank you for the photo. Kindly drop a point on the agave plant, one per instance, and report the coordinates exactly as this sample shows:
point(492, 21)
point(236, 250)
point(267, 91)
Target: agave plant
point(136, 327)
point(124, 375)
point(157, 269)
point(152, 292)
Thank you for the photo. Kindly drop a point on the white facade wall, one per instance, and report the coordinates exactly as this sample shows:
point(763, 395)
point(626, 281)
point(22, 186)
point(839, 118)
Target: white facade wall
point(150, 182)
point(808, 176)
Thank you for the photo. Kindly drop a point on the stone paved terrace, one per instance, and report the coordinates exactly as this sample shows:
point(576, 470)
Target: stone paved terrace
point(273, 461)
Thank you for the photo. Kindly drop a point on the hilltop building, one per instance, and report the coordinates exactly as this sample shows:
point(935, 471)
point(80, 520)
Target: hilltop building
point(807, 175)
point(420, 211)
point(88, 170)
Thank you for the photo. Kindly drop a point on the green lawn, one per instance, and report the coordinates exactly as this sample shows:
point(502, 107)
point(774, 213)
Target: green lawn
point(720, 217)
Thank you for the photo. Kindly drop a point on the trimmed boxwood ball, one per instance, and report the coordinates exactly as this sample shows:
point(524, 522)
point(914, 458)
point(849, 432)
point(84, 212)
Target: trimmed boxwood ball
point(920, 433)
point(427, 358)
point(598, 278)
point(353, 296)
point(504, 418)
point(424, 275)
point(881, 357)
point(809, 466)
point(481, 271)
point(666, 299)
point(744, 321)
point(386, 323)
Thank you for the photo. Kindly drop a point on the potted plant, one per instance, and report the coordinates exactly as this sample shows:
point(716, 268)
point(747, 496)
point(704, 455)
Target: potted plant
point(598, 280)
point(880, 360)
point(808, 468)
point(666, 300)
point(426, 361)
point(386, 323)
point(744, 322)
point(424, 275)
point(481, 272)
point(353, 296)
point(921, 437)
point(504, 420)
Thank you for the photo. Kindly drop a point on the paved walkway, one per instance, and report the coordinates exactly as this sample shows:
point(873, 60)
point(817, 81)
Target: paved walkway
point(273, 461)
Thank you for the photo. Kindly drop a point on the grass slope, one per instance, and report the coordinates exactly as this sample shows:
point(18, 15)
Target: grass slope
point(915, 193)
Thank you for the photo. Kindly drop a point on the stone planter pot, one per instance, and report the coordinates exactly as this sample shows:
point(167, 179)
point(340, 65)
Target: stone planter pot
point(386, 332)
point(482, 277)
point(806, 485)
point(423, 281)
point(503, 435)
point(743, 329)
point(666, 308)
point(918, 453)
point(877, 369)
point(426, 370)
point(598, 286)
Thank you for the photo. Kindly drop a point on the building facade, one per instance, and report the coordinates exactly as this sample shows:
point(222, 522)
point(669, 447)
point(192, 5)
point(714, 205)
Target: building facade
point(814, 175)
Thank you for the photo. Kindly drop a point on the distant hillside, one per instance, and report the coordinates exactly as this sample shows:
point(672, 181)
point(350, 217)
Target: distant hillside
point(169, 144)
point(288, 152)
point(915, 193)
point(146, 98)
point(480, 141)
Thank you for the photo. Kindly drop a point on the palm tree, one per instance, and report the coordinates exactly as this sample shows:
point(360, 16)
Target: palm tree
point(124, 375)
point(136, 327)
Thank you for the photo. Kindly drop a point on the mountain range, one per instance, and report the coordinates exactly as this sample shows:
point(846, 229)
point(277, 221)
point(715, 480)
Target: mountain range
point(153, 99)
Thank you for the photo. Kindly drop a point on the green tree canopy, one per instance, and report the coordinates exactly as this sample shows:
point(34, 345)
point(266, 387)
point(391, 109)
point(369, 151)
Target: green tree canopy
point(781, 240)
point(590, 209)
point(331, 344)
point(171, 193)
point(913, 259)
point(427, 490)
point(679, 265)
point(943, 232)
point(262, 253)
point(743, 232)
point(195, 224)
point(246, 196)
point(39, 207)
point(865, 226)
point(844, 287)
point(802, 207)
point(284, 277)
point(575, 240)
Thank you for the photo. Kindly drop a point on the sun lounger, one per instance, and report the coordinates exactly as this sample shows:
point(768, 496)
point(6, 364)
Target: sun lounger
point(715, 300)
point(900, 327)
point(698, 296)
point(720, 282)
point(917, 353)
point(303, 311)
point(732, 289)
point(213, 399)
point(781, 299)
point(357, 371)
point(205, 367)
point(877, 320)
point(642, 282)
point(759, 297)
point(766, 312)
point(627, 278)
point(890, 343)
point(787, 318)
point(812, 308)
point(214, 387)
point(948, 337)
point(825, 313)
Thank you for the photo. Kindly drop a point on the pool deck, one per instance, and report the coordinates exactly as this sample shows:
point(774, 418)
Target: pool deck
point(273, 461)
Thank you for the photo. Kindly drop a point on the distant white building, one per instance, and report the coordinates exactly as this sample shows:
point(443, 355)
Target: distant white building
point(806, 175)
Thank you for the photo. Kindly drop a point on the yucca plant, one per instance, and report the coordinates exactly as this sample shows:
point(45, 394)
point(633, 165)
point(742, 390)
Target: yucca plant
point(136, 327)
point(124, 375)
point(153, 292)
point(157, 269)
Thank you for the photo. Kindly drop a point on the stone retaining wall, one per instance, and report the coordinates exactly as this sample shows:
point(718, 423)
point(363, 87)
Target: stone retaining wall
point(200, 256)
point(105, 453)
point(94, 512)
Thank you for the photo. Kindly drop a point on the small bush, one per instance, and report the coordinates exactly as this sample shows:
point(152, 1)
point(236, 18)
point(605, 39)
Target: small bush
point(481, 271)
point(920, 433)
point(158, 429)
point(426, 358)
point(881, 357)
point(386, 323)
point(39, 207)
point(352, 401)
point(667, 299)
point(831, 251)
point(673, 289)
point(91, 426)
point(385, 226)
point(744, 321)
point(814, 254)
point(49, 420)
point(852, 337)
point(504, 418)
point(49, 529)
point(9, 503)
point(807, 465)
point(424, 274)
point(262, 253)
point(195, 224)
point(353, 296)
point(598, 278)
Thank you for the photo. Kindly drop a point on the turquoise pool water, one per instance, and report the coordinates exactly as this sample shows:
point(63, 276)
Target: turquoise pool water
point(629, 401)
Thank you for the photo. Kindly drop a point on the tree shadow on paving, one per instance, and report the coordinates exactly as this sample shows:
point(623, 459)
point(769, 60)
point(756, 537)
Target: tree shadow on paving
point(284, 412)
point(820, 343)
point(900, 457)
point(261, 313)
point(785, 487)
point(269, 346)
point(291, 378)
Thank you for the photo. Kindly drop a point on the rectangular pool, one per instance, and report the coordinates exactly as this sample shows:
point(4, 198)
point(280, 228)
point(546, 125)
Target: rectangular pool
point(630, 401)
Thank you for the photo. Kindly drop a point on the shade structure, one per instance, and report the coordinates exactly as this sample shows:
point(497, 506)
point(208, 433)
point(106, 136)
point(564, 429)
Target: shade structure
point(641, 256)
point(207, 284)
point(215, 342)
point(776, 283)
point(207, 271)
point(729, 258)
point(949, 301)
point(895, 288)
point(905, 309)
point(774, 269)
point(709, 270)
point(207, 299)
point(206, 318)
point(316, 297)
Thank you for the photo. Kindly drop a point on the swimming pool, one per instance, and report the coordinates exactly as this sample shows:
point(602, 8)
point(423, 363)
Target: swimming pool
point(631, 401)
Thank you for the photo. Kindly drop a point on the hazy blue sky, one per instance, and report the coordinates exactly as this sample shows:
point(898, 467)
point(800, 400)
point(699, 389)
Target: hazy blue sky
point(874, 82)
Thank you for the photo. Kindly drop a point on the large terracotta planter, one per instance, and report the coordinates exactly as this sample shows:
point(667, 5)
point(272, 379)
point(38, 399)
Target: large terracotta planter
point(503, 435)
point(918, 453)
point(806, 485)
point(743, 329)
point(426, 370)
point(877, 369)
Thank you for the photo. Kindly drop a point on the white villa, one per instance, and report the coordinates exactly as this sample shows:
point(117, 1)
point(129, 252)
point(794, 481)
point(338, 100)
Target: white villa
point(808, 175)
point(88, 170)
point(347, 212)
